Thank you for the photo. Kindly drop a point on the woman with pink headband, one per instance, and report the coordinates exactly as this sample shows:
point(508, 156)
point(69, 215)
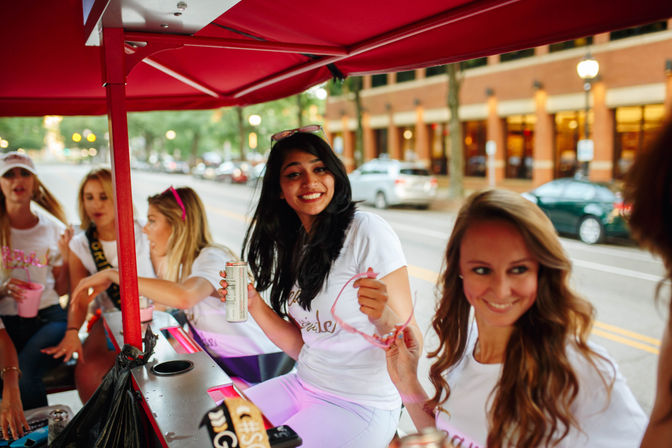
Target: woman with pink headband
point(187, 264)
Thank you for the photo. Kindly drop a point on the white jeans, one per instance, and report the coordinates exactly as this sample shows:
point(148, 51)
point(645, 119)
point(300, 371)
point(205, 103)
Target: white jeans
point(323, 421)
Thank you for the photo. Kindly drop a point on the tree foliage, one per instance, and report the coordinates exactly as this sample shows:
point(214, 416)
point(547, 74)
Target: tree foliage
point(195, 131)
point(22, 132)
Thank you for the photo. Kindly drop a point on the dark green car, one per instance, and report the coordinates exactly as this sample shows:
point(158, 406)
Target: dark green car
point(589, 210)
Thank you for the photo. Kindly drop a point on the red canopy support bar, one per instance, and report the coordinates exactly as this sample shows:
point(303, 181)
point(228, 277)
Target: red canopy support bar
point(236, 44)
point(114, 80)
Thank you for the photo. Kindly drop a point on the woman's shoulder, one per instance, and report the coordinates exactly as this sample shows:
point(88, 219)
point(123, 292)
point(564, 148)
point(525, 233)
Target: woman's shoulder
point(219, 253)
point(596, 364)
point(363, 221)
point(79, 239)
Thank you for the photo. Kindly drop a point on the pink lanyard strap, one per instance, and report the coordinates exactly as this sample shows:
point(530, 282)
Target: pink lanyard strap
point(384, 341)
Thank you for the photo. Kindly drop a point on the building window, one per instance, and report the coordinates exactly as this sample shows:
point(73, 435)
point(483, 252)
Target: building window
point(638, 30)
point(436, 70)
point(569, 129)
point(512, 56)
point(473, 63)
point(379, 80)
point(438, 134)
point(380, 137)
point(568, 44)
point(636, 127)
point(405, 76)
point(474, 134)
point(520, 146)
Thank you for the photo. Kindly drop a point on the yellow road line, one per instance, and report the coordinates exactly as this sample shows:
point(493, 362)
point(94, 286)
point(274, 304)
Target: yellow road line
point(628, 333)
point(625, 341)
point(423, 274)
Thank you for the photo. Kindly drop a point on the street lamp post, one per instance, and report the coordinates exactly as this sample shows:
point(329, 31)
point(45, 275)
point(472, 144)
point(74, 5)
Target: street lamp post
point(253, 137)
point(588, 69)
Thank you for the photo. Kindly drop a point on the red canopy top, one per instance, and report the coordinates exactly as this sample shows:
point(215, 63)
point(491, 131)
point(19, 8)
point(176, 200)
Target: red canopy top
point(260, 50)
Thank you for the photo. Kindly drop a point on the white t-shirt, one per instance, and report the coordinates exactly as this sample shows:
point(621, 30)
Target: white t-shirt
point(42, 239)
point(333, 360)
point(223, 339)
point(606, 421)
point(79, 245)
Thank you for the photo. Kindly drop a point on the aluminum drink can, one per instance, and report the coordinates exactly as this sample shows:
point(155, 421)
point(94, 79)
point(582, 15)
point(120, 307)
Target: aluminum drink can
point(58, 419)
point(236, 291)
point(427, 438)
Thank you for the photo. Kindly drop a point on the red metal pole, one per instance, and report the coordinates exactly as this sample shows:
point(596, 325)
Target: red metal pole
point(114, 80)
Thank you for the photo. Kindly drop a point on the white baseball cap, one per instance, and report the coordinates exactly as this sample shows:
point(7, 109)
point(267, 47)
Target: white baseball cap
point(15, 159)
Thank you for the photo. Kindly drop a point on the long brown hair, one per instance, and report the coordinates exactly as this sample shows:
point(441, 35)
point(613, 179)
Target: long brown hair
point(42, 197)
point(648, 188)
point(102, 175)
point(189, 235)
point(531, 401)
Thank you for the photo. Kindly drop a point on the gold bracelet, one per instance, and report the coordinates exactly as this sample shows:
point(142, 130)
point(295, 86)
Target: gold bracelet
point(8, 369)
point(4, 289)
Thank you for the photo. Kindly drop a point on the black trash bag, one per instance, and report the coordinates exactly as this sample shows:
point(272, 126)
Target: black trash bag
point(112, 417)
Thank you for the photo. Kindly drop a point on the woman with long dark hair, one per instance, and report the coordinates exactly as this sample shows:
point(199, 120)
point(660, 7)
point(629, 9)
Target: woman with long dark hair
point(521, 373)
point(306, 241)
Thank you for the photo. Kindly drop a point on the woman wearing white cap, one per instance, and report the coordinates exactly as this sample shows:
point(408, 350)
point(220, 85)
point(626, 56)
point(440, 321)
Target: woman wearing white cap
point(35, 248)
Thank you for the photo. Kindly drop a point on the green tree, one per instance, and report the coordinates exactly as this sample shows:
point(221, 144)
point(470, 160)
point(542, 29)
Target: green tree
point(22, 132)
point(455, 77)
point(352, 87)
point(89, 131)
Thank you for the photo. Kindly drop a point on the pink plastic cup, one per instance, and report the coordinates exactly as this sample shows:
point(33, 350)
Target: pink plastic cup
point(30, 305)
point(146, 314)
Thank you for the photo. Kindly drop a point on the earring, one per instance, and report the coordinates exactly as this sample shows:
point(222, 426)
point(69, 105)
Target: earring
point(460, 275)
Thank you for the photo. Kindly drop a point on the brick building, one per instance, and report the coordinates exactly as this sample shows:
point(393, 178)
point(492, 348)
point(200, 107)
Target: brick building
point(530, 104)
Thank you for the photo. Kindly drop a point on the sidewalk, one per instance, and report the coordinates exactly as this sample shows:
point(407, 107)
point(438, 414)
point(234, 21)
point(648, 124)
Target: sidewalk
point(444, 202)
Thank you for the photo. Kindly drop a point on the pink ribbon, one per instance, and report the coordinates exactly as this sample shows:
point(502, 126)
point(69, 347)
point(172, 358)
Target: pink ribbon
point(384, 341)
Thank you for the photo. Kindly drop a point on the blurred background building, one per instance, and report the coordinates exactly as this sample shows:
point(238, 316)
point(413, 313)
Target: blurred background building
point(530, 106)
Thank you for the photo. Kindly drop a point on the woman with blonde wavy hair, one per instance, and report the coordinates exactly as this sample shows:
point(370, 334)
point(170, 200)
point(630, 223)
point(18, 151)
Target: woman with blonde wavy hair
point(92, 250)
point(187, 263)
point(514, 367)
point(28, 235)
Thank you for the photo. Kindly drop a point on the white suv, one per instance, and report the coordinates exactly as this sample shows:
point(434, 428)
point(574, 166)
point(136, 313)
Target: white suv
point(386, 182)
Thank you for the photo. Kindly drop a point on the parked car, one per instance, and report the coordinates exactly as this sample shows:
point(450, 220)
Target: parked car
point(203, 171)
point(232, 172)
point(589, 210)
point(171, 165)
point(256, 173)
point(386, 182)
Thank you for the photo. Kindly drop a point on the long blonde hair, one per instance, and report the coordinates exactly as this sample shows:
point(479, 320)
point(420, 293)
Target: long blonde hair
point(188, 236)
point(42, 197)
point(531, 401)
point(102, 175)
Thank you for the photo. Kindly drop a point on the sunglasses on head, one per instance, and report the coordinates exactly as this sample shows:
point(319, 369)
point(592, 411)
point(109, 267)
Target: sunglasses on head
point(311, 128)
